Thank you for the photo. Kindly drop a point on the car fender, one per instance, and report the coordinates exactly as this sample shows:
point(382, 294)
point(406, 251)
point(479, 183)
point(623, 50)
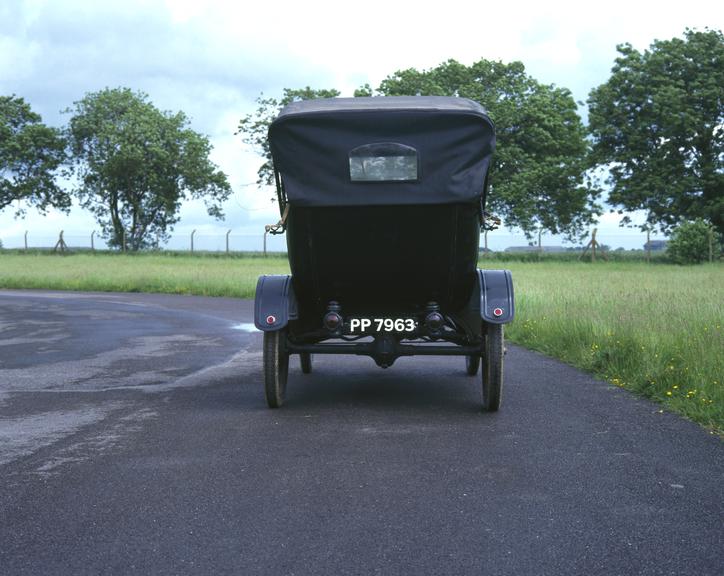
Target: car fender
point(274, 302)
point(497, 303)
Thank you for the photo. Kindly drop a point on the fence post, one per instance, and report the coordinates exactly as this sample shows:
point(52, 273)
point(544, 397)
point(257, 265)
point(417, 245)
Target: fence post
point(266, 231)
point(648, 245)
point(485, 253)
point(592, 244)
point(227, 240)
point(93, 245)
point(26, 240)
point(60, 244)
point(123, 239)
point(192, 240)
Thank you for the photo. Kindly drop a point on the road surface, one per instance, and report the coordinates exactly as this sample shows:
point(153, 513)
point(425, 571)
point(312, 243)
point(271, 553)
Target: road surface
point(135, 439)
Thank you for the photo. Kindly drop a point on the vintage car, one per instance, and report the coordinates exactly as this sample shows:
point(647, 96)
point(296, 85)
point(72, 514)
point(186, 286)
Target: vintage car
point(382, 201)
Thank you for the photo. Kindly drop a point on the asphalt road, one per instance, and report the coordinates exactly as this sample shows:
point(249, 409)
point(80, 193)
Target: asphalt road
point(134, 439)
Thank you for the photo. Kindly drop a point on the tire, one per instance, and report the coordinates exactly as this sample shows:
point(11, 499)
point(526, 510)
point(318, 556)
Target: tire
point(305, 359)
point(472, 363)
point(493, 353)
point(276, 367)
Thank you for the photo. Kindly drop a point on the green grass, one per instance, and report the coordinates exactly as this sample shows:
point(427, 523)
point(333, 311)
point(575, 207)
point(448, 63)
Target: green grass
point(653, 329)
point(172, 273)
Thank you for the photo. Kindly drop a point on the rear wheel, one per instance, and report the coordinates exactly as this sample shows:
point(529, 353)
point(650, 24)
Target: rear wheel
point(305, 359)
point(493, 352)
point(472, 363)
point(276, 367)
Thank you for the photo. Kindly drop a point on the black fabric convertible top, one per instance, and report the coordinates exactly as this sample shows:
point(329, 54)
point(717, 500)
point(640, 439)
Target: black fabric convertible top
point(312, 141)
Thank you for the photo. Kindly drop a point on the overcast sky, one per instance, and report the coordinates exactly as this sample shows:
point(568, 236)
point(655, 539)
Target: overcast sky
point(212, 59)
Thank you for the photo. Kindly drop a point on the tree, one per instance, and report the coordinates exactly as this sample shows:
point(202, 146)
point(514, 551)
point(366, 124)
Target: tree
point(136, 165)
point(537, 179)
point(30, 156)
point(254, 127)
point(691, 241)
point(658, 126)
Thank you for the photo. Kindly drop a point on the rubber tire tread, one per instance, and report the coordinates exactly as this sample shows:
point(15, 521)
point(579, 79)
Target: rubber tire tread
point(276, 368)
point(305, 361)
point(472, 364)
point(492, 373)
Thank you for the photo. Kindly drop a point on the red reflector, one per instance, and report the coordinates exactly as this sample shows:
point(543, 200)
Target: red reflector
point(270, 319)
point(498, 312)
point(332, 320)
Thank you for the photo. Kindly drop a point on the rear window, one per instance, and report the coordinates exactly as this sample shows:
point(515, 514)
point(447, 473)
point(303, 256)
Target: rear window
point(383, 162)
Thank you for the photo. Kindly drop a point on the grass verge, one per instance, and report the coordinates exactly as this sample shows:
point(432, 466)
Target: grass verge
point(653, 329)
point(172, 273)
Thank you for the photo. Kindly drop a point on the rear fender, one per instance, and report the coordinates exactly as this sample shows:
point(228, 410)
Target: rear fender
point(274, 303)
point(497, 304)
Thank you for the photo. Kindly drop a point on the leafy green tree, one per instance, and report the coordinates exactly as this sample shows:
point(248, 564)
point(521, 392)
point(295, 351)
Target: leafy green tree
point(658, 125)
point(30, 157)
point(136, 164)
point(690, 243)
point(538, 177)
point(254, 127)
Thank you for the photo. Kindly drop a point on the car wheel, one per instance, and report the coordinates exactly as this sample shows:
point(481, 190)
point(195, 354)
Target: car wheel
point(493, 353)
point(305, 359)
point(276, 367)
point(472, 363)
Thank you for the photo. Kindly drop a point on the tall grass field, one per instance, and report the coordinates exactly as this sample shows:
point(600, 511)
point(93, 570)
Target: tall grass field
point(655, 329)
point(170, 273)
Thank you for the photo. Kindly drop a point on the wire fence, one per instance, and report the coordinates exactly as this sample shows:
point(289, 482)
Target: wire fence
point(223, 242)
point(229, 241)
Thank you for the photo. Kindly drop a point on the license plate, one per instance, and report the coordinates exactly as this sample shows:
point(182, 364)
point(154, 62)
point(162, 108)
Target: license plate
point(363, 325)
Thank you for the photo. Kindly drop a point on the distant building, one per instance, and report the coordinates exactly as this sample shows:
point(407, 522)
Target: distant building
point(549, 249)
point(656, 245)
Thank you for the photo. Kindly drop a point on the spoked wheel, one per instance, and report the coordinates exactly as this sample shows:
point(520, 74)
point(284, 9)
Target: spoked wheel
point(472, 363)
point(276, 367)
point(305, 359)
point(493, 352)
